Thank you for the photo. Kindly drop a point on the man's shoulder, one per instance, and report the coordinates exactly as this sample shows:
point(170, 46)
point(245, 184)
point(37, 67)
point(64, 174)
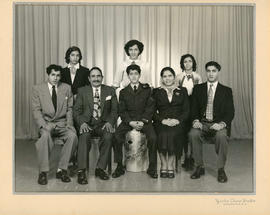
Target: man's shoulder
point(108, 88)
point(64, 86)
point(224, 87)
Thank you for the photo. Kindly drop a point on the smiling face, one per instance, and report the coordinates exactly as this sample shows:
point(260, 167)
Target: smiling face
point(188, 64)
point(212, 74)
point(168, 78)
point(74, 57)
point(95, 78)
point(134, 76)
point(54, 77)
point(133, 52)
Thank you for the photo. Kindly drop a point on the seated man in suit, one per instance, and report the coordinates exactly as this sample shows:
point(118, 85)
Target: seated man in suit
point(212, 112)
point(136, 109)
point(74, 74)
point(95, 113)
point(52, 109)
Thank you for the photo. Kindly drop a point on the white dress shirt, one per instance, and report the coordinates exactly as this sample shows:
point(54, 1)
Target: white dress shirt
point(77, 66)
point(94, 91)
point(133, 85)
point(50, 88)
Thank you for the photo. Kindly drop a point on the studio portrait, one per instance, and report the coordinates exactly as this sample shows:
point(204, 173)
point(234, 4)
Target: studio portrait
point(133, 98)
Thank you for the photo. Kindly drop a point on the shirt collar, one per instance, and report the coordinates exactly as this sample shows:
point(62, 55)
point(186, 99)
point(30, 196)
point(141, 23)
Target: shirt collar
point(132, 85)
point(214, 84)
point(135, 61)
point(192, 73)
point(76, 66)
point(50, 86)
point(94, 88)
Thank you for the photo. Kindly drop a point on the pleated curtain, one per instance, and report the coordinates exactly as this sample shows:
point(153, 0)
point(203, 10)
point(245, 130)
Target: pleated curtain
point(223, 33)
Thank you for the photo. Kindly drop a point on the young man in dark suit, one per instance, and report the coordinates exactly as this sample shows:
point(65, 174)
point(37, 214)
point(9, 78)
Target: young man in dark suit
point(95, 114)
point(212, 112)
point(136, 109)
point(74, 74)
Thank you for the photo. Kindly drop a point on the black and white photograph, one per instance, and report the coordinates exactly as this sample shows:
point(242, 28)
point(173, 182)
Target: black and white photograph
point(134, 98)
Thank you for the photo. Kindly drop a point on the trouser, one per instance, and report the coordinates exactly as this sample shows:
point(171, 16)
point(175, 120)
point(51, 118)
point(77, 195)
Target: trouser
point(85, 146)
point(45, 144)
point(148, 130)
point(220, 139)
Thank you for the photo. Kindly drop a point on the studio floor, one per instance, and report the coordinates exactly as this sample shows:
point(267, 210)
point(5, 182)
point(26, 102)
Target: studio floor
point(239, 169)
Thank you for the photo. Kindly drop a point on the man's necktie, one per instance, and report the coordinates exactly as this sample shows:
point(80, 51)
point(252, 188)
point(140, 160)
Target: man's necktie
point(209, 108)
point(135, 89)
point(54, 98)
point(97, 108)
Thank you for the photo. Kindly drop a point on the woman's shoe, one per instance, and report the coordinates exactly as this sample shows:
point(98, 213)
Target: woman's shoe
point(163, 173)
point(170, 174)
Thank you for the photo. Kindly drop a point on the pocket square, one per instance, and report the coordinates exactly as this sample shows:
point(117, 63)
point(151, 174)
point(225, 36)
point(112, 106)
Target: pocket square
point(108, 98)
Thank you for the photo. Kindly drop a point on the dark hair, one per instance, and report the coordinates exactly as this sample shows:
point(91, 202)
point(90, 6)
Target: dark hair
point(132, 43)
point(194, 64)
point(133, 67)
point(167, 69)
point(97, 68)
point(213, 63)
point(53, 67)
point(72, 49)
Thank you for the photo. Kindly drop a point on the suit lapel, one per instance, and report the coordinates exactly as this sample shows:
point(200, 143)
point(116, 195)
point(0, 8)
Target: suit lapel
point(89, 95)
point(139, 89)
point(60, 98)
point(103, 97)
point(218, 96)
point(129, 88)
point(77, 77)
point(48, 99)
point(204, 95)
point(69, 76)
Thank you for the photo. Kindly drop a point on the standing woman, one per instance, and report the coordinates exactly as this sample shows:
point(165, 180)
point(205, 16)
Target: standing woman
point(188, 78)
point(133, 49)
point(74, 74)
point(172, 110)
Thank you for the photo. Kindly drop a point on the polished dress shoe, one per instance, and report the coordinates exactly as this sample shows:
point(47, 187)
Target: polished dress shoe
point(163, 173)
point(101, 174)
point(42, 178)
point(82, 177)
point(171, 174)
point(63, 175)
point(198, 172)
point(222, 178)
point(152, 173)
point(118, 172)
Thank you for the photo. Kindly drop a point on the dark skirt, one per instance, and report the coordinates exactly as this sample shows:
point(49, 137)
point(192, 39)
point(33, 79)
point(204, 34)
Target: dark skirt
point(169, 139)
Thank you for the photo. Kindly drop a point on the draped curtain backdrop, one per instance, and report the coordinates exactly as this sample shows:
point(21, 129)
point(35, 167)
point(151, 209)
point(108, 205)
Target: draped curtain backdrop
point(208, 32)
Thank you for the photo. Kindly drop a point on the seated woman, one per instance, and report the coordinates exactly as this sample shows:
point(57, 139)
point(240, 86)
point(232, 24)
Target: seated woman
point(133, 49)
point(188, 78)
point(172, 110)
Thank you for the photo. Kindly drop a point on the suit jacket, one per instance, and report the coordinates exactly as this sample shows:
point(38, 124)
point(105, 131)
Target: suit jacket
point(139, 106)
point(43, 109)
point(178, 108)
point(83, 108)
point(80, 80)
point(223, 107)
